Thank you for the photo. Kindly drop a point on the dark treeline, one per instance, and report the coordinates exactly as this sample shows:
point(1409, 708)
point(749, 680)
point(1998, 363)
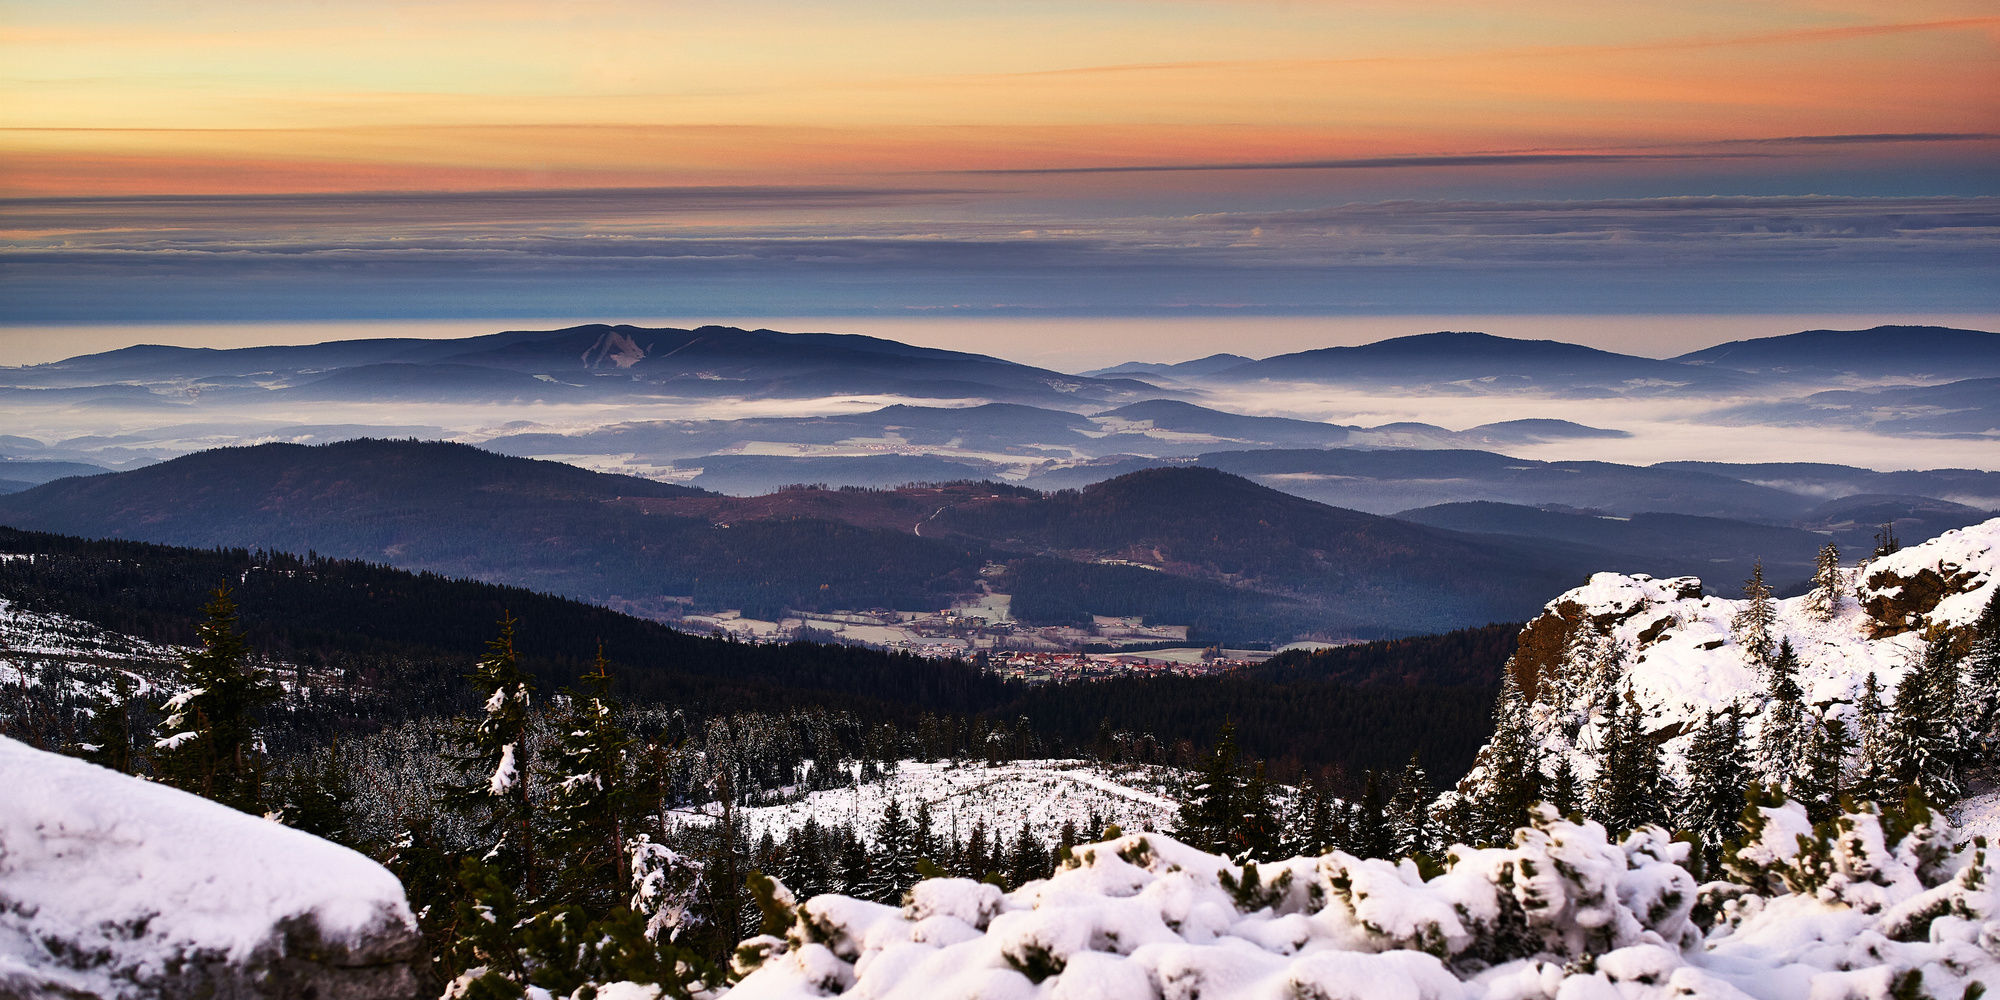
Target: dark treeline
point(1327, 730)
point(1471, 656)
point(413, 633)
point(392, 645)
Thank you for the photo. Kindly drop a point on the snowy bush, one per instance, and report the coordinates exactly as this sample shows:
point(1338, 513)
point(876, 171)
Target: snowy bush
point(1869, 905)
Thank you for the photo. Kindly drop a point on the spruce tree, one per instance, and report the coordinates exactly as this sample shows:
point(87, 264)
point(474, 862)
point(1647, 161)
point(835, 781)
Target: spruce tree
point(1631, 790)
point(1876, 778)
point(208, 741)
point(111, 743)
point(1713, 799)
point(1509, 778)
point(1257, 829)
point(1823, 601)
point(589, 795)
point(1821, 779)
point(1782, 737)
point(924, 838)
point(1209, 816)
point(1410, 827)
point(1981, 697)
point(895, 854)
point(1751, 626)
point(1923, 748)
point(1368, 834)
point(1563, 792)
point(1031, 859)
point(494, 757)
point(316, 794)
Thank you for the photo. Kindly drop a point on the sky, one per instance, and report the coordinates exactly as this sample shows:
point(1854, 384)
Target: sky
point(301, 161)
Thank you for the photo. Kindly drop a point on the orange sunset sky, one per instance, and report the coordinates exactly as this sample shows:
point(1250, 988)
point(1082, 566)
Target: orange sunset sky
point(1183, 155)
point(286, 96)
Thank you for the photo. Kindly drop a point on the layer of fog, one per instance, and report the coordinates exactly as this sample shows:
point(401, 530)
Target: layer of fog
point(1661, 429)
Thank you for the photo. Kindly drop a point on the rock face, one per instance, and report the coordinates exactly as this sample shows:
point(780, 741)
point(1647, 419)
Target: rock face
point(115, 887)
point(1938, 582)
point(1675, 644)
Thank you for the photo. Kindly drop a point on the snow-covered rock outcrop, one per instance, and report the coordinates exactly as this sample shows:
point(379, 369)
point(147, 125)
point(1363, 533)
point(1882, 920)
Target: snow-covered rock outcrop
point(1564, 913)
point(1670, 642)
point(111, 886)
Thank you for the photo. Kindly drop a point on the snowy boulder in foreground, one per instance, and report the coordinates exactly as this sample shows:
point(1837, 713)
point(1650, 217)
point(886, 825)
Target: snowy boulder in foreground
point(115, 887)
point(1874, 907)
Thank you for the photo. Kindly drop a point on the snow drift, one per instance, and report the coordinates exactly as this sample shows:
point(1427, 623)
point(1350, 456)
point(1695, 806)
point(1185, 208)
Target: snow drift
point(1872, 906)
point(111, 886)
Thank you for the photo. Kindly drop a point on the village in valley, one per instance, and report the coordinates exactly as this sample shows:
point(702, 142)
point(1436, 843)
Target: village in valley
point(981, 629)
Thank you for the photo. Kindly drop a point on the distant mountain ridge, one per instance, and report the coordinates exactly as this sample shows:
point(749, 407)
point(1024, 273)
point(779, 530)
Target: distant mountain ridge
point(1937, 351)
point(1232, 557)
point(595, 359)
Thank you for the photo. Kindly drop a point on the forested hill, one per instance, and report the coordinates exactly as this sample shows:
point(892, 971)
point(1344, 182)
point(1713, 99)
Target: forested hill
point(411, 636)
point(1238, 562)
point(405, 642)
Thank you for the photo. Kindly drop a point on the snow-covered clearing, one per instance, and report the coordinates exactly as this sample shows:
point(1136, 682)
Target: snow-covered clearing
point(1042, 794)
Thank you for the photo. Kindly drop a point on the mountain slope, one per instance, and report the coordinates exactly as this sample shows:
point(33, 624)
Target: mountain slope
point(1661, 544)
point(1211, 525)
point(1683, 657)
point(594, 359)
point(1234, 558)
point(1480, 362)
point(1932, 352)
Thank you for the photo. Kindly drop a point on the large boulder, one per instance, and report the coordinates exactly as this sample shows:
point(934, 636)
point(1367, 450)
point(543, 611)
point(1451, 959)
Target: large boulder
point(111, 886)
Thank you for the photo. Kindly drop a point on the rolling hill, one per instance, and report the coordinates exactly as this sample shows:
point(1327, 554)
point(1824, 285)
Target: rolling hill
point(1174, 545)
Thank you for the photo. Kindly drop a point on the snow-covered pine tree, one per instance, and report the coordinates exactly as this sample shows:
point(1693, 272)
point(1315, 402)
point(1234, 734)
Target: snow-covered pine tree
point(1782, 738)
point(1631, 790)
point(1823, 600)
point(589, 796)
point(1752, 625)
point(1875, 779)
point(894, 867)
point(1368, 834)
point(1507, 777)
point(111, 743)
point(1713, 799)
point(1923, 750)
point(316, 794)
point(924, 838)
point(1031, 858)
point(494, 757)
point(1257, 828)
point(207, 743)
point(1564, 793)
point(1981, 698)
point(1410, 827)
point(1309, 825)
point(1821, 778)
point(1209, 814)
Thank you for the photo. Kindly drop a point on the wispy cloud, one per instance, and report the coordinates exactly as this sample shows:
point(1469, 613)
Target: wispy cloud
point(1382, 162)
point(1608, 255)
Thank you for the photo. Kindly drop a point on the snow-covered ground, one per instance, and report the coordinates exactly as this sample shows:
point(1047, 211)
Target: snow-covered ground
point(1979, 816)
point(1684, 660)
point(110, 885)
point(1564, 913)
point(1043, 794)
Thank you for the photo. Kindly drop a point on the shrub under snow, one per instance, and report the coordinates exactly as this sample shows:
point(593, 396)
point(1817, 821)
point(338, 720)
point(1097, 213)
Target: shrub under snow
point(1866, 907)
